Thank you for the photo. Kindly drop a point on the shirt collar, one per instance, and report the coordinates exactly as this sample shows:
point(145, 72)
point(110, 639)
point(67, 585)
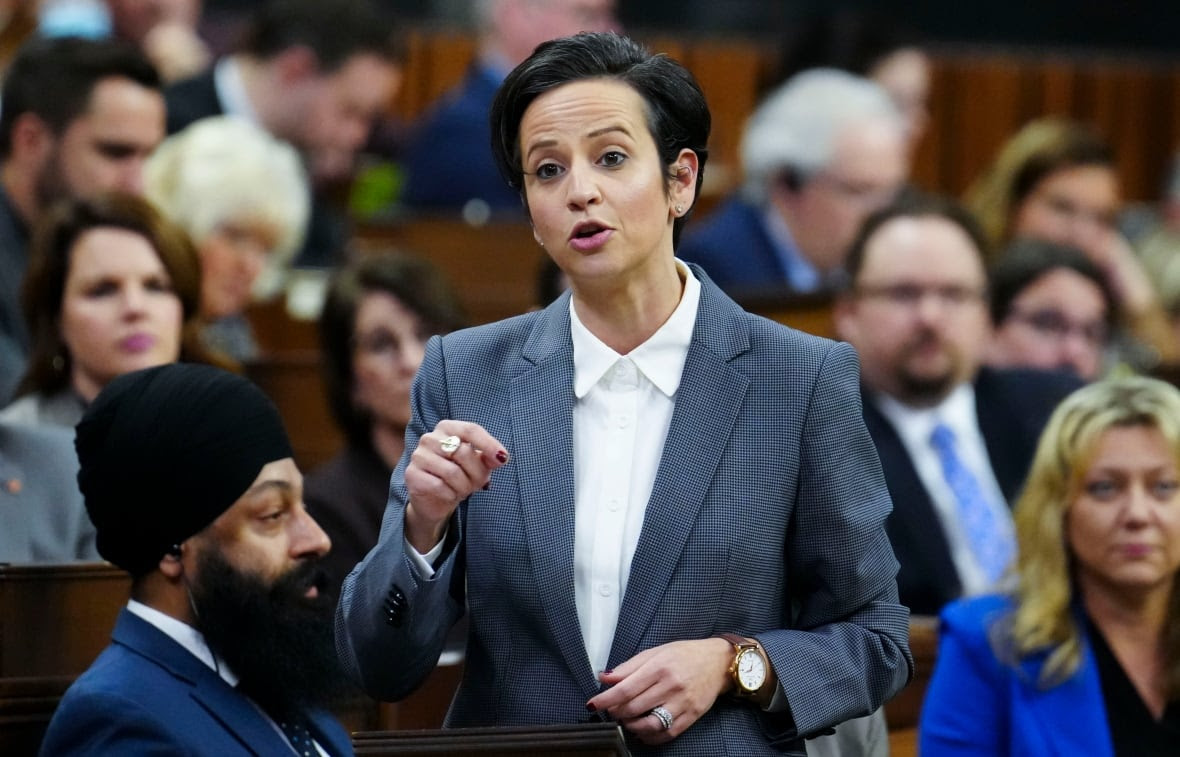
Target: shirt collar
point(660, 359)
point(957, 410)
point(186, 636)
point(231, 90)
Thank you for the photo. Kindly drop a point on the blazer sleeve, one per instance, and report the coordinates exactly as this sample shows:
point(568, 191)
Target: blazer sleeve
point(391, 625)
point(847, 649)
point(964, 712)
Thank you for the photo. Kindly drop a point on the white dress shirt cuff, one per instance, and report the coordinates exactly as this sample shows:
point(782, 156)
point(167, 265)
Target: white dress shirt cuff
point(424, 563)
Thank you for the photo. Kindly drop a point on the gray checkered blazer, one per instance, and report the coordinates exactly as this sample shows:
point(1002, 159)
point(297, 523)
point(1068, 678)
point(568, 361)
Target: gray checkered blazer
point(766, 519)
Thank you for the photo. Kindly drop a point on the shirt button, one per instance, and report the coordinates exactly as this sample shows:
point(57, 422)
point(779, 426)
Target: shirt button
point(613, 505)
point(604, 590)
point(623, 421)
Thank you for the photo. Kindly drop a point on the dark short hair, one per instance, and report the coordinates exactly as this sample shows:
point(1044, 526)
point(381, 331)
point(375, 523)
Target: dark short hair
point(49, 265)
point(413, 281)
point(677, 114)
point(335, 30)
point(1026, 260)
point(54, 78)
point(913, 205)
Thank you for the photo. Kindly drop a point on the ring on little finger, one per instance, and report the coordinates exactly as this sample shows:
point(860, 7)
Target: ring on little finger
point(662, 715)
point(449, 445)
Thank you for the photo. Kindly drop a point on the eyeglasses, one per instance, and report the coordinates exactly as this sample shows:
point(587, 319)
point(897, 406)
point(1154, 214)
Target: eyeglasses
point(1055, 325)
point(1069, 210)
point(951, 296)
point(861, 193)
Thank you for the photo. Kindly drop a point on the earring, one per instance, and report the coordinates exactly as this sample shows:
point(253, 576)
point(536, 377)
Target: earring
point(679, 209)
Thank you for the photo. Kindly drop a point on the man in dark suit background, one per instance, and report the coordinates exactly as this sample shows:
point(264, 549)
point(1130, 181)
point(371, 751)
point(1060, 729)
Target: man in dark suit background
point(225, 646)
point(955, 439)
point(315, 73)
point(80, 117)
point(448, 161)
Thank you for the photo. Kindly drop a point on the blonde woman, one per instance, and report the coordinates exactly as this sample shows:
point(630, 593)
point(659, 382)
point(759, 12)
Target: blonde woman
point(242, 197)
point(1083, 655)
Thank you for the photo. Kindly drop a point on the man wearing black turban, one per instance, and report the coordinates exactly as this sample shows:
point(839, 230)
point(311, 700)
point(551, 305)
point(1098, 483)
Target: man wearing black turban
point(225, 647)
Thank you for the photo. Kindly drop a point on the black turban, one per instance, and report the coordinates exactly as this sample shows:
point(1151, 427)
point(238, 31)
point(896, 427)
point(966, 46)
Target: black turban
point(165, 451)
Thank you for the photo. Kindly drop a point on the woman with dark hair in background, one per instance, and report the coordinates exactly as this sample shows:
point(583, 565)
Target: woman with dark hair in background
point(112, 287)
point(379, 312)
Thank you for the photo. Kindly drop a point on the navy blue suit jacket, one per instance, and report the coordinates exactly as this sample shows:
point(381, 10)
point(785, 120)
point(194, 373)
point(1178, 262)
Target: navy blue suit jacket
point(146, 694)
point(448, 160)
point(1012, 407)
point(734, 248)
point(766, 519)
point(977, 705)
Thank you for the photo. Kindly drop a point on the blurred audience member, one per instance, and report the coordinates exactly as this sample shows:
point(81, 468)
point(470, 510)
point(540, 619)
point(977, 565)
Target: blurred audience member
point(315, 73)
point(955, 438)
point(42, 519)
point(448, 162)
point(1082, 655)
point(819, 154)
point(870, 44)
point(79, 117)
point(1057, 180)
point(379, 312)
point(1155, 234)
point(1051, 309)
point(112, 287)
point(165, 30)
point(242, 196)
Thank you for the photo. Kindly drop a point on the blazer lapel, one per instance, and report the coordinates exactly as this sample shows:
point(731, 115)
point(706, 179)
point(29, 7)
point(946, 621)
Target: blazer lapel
point(708, 400)
point(542, 401)
point(1078, 702)
point(239, 716)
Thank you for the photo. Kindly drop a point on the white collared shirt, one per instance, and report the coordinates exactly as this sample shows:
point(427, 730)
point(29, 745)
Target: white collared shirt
point(231, 90)
point(914, 427)
point(622, 409)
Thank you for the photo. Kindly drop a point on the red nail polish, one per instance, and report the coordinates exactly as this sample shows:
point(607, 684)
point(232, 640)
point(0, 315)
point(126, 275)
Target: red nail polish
point(502, 456)
point(608, 672)
point(590, 707)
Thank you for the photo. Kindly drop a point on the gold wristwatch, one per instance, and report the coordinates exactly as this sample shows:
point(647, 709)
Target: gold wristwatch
point(753, 677)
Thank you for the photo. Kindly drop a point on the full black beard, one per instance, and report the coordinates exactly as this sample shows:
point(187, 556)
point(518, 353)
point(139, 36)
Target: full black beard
point(278, 642)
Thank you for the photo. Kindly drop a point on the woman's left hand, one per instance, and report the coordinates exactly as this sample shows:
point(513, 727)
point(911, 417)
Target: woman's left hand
point(683, 677)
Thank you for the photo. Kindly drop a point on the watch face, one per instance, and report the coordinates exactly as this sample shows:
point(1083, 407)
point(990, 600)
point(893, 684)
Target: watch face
point(751, 670)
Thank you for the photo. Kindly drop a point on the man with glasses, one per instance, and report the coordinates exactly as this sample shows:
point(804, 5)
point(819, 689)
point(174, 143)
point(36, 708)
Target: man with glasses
point(955, 439)
point(1051, 309)
point(819, 154)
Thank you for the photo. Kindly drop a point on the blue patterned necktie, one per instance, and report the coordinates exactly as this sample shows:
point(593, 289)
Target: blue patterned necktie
point(300, 738)
point(989, 537)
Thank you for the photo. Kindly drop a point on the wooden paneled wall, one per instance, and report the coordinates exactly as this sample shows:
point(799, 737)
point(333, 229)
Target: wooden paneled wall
point(979, 98)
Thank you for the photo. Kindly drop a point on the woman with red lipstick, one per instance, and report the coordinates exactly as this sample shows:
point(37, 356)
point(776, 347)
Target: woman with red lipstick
point(112, 287)
point(654, 508)
point(1083, 655)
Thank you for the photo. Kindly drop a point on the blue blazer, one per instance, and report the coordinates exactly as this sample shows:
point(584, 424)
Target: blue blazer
point(977, 705)
point(735, 249)
point(448, 160)
point(766, 518)
point(146, 694)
